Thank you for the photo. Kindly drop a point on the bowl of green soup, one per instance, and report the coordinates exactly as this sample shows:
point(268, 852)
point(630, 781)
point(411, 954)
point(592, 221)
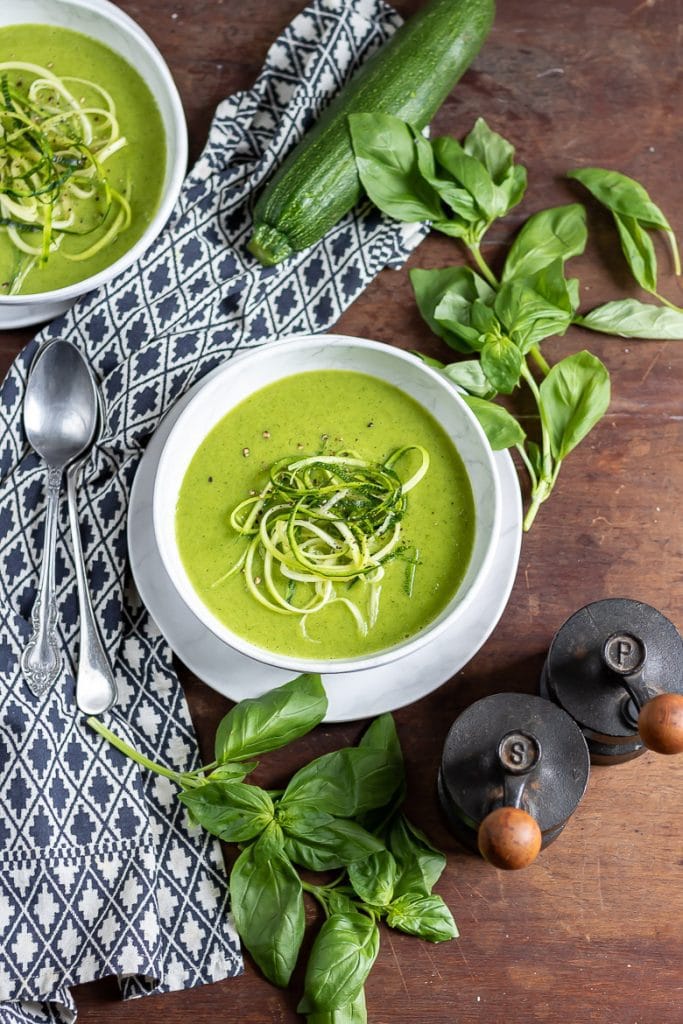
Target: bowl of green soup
point(326, 504)
point(94, 151)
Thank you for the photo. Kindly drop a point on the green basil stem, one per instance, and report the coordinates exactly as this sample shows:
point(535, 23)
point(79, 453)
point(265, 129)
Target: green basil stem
point(542, 487)
point(529, 468)
point(675, 253)
point(181, 778)
point(202, 770)
point(666, 302)
point(540, 494)
point(482, 264)
point(540, 360)
point(318, 892)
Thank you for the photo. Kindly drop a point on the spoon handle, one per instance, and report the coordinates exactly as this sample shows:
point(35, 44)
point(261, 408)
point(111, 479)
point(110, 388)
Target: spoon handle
point(95, 684)
point(41, 661)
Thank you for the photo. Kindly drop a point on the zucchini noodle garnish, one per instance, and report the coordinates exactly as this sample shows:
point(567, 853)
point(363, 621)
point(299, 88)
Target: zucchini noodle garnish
point(322, 528)
point(56, 135)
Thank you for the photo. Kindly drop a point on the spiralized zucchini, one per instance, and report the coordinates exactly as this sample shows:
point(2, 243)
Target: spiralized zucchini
point(322, 530)
point(56, 135)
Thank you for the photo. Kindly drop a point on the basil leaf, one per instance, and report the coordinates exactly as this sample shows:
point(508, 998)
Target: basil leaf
point(353, 1013)
point(419, 863)
point(573, 293)
point(483, 319)
point(345, 782)
point(458, 199)
point(490, 149)
point(639, 251)
point(501, 361)
point(549, 282)
point(430, 287)
point(469, 172)
point(260, 724)
point(573, 397)
point(454, 228)
point(462, 310)
point(436, 364)
point(374, 878)
point(513, 187)
point(501, 428)
point(456, 314)
point(425, 916)
point(527, 316)
point(268, 908)
point(626, 197)
point(319, 841)
point(621, 194)
point(497, 156)
point(233, 811)
point(469, 375)
point(339, 903)
point(630, 318)
point(232, 771)
point(341, 958)
point(549, 235)
point(386, 160)
point(381, 735)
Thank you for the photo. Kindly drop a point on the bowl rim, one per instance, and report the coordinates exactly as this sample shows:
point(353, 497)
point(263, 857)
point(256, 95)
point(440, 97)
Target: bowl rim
point(178, 158)
point(191, 598)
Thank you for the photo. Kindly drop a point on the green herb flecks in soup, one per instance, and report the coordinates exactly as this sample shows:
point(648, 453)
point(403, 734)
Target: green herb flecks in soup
point(82, 157)
point(327, 516)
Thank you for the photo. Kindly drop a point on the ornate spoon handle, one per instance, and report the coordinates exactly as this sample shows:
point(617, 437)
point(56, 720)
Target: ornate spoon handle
point(41, 661)
point(95, 685)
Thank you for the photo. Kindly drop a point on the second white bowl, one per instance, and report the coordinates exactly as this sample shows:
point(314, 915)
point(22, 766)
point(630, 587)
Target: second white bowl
point(109, 25)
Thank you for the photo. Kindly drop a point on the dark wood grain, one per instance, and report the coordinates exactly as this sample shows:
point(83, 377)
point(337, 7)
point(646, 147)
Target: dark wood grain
point(593, 931)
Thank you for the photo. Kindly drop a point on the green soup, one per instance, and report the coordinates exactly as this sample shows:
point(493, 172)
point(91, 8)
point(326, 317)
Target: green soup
point(308, 413)
point(135, 171)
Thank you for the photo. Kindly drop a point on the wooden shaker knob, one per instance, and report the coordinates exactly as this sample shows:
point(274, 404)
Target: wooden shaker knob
point(660, 723)
point(509, 838)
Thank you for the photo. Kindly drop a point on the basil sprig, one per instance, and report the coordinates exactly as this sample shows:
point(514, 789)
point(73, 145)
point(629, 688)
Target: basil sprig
point(636, 217)
point(500, 324)
point(342, 813)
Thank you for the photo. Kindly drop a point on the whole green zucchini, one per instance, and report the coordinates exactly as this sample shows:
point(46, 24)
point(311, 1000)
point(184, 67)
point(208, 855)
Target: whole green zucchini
point(410, 77)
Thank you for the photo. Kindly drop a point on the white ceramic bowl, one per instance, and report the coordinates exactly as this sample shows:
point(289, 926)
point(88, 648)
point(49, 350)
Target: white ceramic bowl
point(241, 377)
point(107, 23)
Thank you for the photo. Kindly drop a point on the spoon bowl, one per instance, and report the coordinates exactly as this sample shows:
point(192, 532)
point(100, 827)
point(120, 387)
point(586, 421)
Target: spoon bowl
point(60, 418)
point(60, 407)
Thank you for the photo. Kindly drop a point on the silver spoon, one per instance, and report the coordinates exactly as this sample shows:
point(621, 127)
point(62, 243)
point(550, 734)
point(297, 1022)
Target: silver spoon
point(60, 416)
point(95, 685)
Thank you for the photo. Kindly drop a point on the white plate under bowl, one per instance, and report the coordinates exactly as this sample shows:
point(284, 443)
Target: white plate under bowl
point(351, 695)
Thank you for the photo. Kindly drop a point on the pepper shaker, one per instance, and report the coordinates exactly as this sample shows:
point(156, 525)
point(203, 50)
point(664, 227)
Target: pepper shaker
point(616, 666)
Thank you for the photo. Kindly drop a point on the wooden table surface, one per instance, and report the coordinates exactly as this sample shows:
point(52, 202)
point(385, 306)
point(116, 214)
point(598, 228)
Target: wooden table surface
point(593, 931)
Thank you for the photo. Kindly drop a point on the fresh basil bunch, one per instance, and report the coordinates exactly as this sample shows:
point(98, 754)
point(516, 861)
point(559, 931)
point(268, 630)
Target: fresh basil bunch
point(340, 813)
point(461, 189)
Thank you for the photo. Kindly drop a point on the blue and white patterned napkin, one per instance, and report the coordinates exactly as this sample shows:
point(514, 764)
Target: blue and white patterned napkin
point(100, 872)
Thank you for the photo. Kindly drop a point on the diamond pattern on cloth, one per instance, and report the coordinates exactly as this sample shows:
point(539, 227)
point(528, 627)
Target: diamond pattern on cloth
point(100, 871)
